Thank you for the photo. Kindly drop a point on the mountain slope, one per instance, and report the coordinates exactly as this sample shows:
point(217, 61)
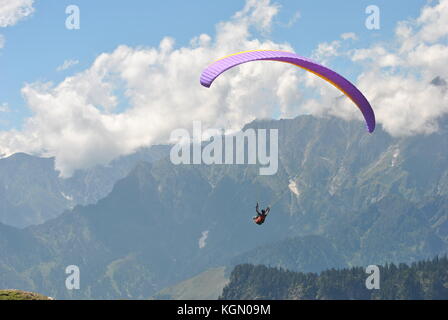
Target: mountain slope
point(31, 191)
point(307, 254)
point(207, 285)
point(353, 190)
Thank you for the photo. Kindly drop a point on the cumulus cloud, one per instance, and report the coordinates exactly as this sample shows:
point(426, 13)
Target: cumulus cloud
point(134, 97)
point(258, 13)
point(77, 121)
point(404, 79)
point(12, 11)
point(399, 75)
point(327, 50)
point(67, 64)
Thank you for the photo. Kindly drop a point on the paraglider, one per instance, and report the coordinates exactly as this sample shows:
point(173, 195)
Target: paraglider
point(213, 71)
point(226, 63)
point(261, 216)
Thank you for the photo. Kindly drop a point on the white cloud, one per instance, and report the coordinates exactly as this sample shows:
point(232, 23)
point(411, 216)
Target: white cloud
point(327, 50)
point(294, 19)
point(12, 11)
point(399, 78)
point(2, 41)
point(76, 120)
point(258, 13)
point(399, 75)
point(4, 107)
point(432, 23)
point(67, 64)
point(349, 36)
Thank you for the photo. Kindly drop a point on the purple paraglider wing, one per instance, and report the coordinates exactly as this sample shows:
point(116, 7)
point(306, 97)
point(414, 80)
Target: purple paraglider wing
point(222, 65)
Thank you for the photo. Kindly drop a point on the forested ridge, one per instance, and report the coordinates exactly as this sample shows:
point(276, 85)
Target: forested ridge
point(427, 280)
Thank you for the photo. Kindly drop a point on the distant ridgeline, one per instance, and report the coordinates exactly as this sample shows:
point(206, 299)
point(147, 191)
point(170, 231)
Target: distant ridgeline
point(422, 280)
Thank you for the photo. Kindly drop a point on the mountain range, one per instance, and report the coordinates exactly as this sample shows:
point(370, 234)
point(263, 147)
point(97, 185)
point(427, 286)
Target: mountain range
point(341, 197)
point(32, 192)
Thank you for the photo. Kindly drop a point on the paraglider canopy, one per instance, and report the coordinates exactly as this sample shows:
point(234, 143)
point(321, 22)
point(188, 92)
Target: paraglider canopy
point(226, 63)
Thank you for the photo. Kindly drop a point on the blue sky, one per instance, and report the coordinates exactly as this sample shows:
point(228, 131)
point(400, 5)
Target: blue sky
point(37, 45)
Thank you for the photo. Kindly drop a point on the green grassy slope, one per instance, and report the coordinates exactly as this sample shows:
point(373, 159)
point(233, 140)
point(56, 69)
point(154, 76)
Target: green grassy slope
point(207, 285)
point(21, 295)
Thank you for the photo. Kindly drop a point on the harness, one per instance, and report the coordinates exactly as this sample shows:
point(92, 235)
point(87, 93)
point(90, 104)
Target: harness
point(260, 219)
